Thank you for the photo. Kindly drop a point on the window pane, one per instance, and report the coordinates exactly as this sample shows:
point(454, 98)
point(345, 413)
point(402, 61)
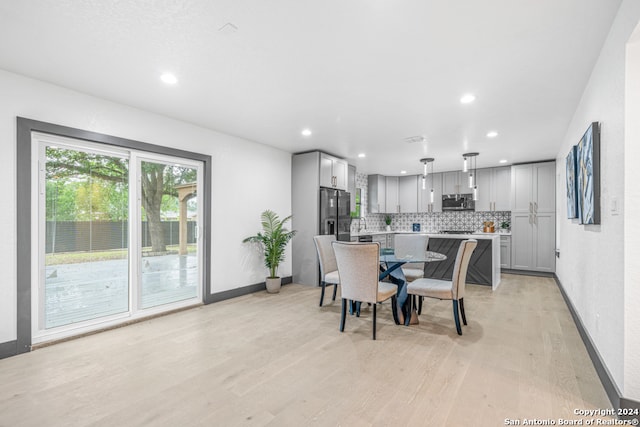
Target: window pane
point(86, 236)
point(169, 209)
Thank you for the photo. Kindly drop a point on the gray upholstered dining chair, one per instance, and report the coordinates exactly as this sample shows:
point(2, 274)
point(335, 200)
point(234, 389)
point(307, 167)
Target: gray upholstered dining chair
point(414, 245)
point(359, 267)
point(328, 267)
point(445, 289)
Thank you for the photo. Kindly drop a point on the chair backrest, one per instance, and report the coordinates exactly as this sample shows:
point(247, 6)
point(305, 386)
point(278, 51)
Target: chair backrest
point(460, 269)
point(325, 253)
point(413, 245)
point(359, 269)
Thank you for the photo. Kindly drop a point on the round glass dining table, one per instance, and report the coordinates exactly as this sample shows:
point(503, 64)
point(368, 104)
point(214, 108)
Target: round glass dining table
point(390, 265)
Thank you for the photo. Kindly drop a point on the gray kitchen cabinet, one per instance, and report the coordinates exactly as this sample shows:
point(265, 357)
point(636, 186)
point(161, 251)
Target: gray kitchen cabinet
point(386, 240)
point(408, 194)
point(494, 189)
point(434, 181)
point(393, 194)
point(505, 251)
point(391, 199)
point(377, 194)
point(455, 182)
point(333, 172)
point(533, 217)
point(351, 187)
point(502, 188)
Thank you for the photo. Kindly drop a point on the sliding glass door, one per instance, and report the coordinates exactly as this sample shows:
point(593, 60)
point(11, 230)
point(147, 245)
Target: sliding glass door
point(169, 233)
point(117, 236)
point(86, 271)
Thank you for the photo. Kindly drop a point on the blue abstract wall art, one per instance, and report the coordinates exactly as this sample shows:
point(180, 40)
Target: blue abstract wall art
point(572, 183)
point(588, 174)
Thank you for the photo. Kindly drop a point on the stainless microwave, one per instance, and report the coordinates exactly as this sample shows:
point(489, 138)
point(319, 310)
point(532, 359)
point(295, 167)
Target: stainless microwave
point(458, 202)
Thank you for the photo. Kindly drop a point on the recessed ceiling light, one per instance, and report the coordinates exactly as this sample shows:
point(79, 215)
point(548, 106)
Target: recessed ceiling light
point(492, 134)
point(306, 132)
point(503, 161)
point(403, 172)
point(468, 98)
point(361, 155)
point(169, 78)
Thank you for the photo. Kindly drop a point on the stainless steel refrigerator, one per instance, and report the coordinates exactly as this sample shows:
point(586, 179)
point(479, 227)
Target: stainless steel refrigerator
point(335, 213)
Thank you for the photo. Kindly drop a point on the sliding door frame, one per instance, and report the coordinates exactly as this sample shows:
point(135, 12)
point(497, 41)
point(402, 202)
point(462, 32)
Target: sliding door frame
point(24, 129)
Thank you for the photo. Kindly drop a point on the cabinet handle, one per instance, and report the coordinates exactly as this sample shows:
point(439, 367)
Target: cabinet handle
point(535, 207)
point(530, 207)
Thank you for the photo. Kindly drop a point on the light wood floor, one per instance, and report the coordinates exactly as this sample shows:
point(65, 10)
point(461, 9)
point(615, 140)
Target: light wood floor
point(279, 360)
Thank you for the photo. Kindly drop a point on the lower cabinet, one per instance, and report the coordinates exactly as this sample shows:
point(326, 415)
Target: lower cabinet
point(533, 241)
point(505, 251)
point(385, 240)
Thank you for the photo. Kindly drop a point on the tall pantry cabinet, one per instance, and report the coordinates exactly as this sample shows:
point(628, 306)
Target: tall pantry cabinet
point(533, 217)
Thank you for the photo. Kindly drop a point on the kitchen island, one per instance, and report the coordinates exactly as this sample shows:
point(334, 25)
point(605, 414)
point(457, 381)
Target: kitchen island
point(484, 266)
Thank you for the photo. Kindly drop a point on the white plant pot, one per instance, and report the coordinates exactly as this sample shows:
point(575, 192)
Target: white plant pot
point(273, 285)
point(388, 228)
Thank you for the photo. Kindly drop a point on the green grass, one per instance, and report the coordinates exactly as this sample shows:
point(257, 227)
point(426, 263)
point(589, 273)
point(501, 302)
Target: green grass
point(82, 257)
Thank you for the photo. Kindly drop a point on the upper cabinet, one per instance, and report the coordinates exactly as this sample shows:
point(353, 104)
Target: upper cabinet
point(391, 199)
point(533, 187)
point(408, 194)
point(494, 189)
point(351, 188)
point(333, 172)
point(377, 194)
point(454, 183)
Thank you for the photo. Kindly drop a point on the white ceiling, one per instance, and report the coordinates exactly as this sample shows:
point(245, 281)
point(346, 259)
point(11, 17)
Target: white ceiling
point(361, 74)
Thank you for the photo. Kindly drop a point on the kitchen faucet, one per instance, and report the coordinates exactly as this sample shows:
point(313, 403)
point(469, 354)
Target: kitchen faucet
point(360, 225)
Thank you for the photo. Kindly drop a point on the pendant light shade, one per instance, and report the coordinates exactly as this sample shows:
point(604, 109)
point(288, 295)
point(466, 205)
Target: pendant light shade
point(427, 161)
point(465, 164)
point(470, 166)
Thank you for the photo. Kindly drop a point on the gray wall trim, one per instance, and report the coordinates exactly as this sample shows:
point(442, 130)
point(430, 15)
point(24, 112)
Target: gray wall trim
point(8, 349)
point(527, 272)
point(245, 290)
point(23, 227)
point(23, 136)
point(634, 405)
point(606, 379)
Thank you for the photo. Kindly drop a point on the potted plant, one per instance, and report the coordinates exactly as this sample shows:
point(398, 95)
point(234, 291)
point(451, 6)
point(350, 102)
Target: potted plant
point(387, 220)
point(504, 225)
point(273, 239)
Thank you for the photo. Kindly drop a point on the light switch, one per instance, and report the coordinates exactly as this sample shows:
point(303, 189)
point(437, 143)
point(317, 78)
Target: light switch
point(615, 209)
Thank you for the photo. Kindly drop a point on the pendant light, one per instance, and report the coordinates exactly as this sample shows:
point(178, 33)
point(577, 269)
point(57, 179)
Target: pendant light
point(428, 161)
point(470, 166)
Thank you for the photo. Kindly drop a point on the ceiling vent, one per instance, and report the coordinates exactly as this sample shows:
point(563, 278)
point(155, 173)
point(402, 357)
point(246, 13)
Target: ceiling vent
point(412, 139)
point(228, 28)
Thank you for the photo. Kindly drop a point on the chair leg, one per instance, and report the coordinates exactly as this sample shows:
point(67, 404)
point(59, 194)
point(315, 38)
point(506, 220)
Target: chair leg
point(374, 321)
point(322, 284)
point(455, 316)
point(394, 309)
point(464, 317)
point(335, 291)
point(343, 314)
point(420, 299)
point(358, 305)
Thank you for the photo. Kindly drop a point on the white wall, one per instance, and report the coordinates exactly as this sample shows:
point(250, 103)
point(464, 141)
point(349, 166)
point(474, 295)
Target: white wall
point(632, 219)
point(591, 266)
point(247, 177)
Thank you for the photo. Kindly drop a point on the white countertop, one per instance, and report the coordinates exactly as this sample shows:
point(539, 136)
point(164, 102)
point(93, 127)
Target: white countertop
point(476, 235)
